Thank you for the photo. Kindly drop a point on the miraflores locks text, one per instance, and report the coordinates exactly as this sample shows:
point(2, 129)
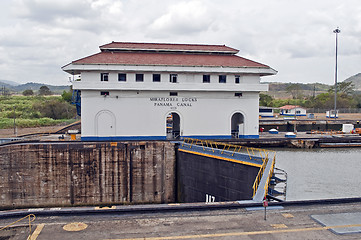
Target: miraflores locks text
point(173, 101)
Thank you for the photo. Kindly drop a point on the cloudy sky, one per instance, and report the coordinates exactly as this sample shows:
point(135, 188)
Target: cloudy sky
point(38, 37)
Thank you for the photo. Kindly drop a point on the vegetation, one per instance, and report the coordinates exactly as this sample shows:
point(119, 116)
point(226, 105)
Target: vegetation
point(28, 92)
point(44, 90)
point(34, 111)
point(347, 97)
point(18, 89)
point(67, 95)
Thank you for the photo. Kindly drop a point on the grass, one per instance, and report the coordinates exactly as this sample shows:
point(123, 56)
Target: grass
point(31, 111)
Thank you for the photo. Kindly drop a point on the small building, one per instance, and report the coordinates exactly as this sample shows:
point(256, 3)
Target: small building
point(266, 112)
point(139, 91)
point(292, 110)
point(332, 114)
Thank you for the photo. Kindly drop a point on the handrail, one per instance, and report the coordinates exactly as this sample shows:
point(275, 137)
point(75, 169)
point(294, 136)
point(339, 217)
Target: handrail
point(259, 176)
point(250, 151)
point(31, 219)
point(270, 174)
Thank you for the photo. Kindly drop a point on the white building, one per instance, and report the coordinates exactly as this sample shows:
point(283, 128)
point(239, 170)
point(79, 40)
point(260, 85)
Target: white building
point(266, 111)
point(155, 91)
point(291, 110)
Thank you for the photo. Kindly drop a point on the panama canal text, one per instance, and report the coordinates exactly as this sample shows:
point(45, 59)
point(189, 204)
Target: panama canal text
point(173, 101)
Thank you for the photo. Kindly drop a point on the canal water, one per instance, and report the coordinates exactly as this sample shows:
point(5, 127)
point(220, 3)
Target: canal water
point(321, 173)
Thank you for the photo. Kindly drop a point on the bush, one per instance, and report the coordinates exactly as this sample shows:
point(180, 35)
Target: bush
point(56, 109)
point(34, 111)
point(67, 96)
point(28, 92)
point(25, 123)
point(44, 90)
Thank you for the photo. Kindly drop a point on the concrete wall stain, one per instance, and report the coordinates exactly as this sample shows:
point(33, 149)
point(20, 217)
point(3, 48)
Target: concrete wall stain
point(79, 173)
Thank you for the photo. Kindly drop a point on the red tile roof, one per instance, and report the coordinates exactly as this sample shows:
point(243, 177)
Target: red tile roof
point(168, 47)
point(287, 107)
point(170, 59)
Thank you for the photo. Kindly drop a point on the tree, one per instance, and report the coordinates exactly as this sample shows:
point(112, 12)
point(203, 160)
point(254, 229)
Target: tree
point(44, 90)
point(327, 100)
point(265, 100)
point(28, 92)
point(56, 109)
point(346, 88)
point(295, 90)
point(67, 96)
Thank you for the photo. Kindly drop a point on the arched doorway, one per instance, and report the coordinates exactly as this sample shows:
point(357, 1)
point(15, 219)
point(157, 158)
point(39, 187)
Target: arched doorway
point(237, 125)
point(173, 126)
point(105, 123)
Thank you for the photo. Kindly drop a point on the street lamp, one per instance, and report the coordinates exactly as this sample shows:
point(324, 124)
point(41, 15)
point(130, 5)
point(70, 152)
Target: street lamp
point(337, 31)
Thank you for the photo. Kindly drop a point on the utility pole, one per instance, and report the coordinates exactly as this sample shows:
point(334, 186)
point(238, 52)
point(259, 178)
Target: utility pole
point(15, 132)
point(337, 31)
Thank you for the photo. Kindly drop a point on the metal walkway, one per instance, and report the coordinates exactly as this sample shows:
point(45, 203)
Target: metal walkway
point(261, 158)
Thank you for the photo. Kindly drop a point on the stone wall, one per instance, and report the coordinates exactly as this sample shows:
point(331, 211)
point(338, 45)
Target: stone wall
point(81, 173)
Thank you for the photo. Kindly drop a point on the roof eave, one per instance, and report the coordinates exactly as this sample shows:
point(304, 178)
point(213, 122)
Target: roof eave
point(77, 68)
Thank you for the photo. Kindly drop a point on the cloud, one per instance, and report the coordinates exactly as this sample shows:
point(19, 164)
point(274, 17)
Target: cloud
point(95, 16)
point(44, 11)
point(37, 37)
point(183, 18)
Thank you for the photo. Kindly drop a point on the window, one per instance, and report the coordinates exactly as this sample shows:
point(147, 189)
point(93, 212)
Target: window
point(173, 94)
point(104, 77)
point(122, 77)
point(139, 77)
point(265, 110)
point(156, 77)
point(238, 94)
point(206, 78)
point(104, 94)
point(222, 78)
point(236, 79)
point(173, 78)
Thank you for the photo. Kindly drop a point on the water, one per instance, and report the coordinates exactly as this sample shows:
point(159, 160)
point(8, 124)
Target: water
point(321, 173)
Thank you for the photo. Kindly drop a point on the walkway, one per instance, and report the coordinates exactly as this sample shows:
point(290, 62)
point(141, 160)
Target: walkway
point(330, 220)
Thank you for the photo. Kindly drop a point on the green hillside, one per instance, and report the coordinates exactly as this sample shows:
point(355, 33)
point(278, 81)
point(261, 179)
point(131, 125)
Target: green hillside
point(18, 89)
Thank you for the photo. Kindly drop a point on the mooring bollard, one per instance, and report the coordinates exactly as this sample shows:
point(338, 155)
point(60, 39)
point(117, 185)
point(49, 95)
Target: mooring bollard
point(265, 205)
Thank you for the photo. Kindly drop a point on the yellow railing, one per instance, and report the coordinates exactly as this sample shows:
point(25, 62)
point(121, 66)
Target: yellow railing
point(260, 174)
point(31, 219)
point(270, 174)
point(330, 132)
point(230, 148)
point(227, 148)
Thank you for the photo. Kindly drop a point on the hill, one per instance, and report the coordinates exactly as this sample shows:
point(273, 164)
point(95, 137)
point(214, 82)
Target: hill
point(356, 79)
point(308, 86)
point(36, 86)
point(19, 88)
point(8, 82)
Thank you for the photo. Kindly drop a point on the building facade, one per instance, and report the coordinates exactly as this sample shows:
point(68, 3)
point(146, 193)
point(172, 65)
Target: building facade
point(139, 91)
point(266, 112)
point(291, 110)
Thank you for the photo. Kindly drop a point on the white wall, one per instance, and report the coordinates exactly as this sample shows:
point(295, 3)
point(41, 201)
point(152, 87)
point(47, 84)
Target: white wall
point(186, 81)
point(207, 114)
point(293, 111)
point(129, 111)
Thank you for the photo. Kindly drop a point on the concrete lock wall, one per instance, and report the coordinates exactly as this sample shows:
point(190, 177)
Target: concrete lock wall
point(206, 179)
point(59, 174)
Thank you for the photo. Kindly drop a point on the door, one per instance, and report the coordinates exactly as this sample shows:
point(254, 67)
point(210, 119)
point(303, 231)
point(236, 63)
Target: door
point(237, 125)
point(173, 126)
point(105, 123)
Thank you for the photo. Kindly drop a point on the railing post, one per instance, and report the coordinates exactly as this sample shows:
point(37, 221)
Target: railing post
point(31, 219)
